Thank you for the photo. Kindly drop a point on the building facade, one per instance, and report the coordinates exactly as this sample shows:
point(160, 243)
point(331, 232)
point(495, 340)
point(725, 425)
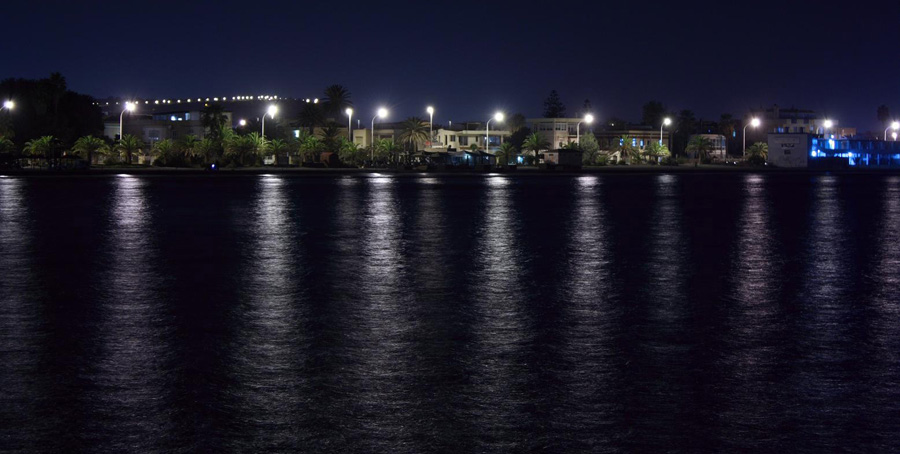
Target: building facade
point(159, 126)
point(809, 150)
point(797, 121)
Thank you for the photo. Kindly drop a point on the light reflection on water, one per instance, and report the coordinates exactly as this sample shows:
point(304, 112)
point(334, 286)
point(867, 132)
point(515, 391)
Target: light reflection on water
point(131, 372)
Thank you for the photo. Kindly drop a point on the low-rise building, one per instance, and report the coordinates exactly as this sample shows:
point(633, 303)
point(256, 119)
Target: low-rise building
point(797, 121)
point(159, 126)
point(810, 150)
point(718, 145)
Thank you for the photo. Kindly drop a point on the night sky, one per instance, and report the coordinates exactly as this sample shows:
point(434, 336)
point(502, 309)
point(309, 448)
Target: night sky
point(471, 58)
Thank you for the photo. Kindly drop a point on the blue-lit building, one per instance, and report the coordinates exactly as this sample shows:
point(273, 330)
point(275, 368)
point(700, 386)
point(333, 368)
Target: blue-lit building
point(807, 150)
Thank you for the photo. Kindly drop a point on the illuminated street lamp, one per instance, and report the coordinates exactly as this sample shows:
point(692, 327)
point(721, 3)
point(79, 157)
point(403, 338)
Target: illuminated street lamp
point(895, 126)
point(129, 107)
point(587, 119)
point(382, 113)
point(666, 122)
point(349, 113)
point(430, 111)
point(271, 111)
point(827, 125)
point(487, 129)
point(242, 122)
point(9, 105)
point(755, 123)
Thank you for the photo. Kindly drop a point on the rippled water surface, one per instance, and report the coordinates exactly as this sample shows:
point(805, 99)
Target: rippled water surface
point(608, 313)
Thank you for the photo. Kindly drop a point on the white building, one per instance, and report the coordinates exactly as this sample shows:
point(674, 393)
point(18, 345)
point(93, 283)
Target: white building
point(558, 131)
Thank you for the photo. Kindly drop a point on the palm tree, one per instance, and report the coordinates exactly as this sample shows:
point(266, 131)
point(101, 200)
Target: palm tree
point(310, 147)
point(535, 144)
point(207, 149)
point(311, 115)
point(350, 153)
point(506, 151)
point(129, 145)
point(43, 146)
point(387, 149)
point(7, 147)
point(758, 153)
point(213, 119)
point(164, 152)
point(331, 135)
point(88, 145)
point(412, 131)
point(656, 151)
point(279, 147)
point(628, 152)
point(337, 98)
point(699, 146)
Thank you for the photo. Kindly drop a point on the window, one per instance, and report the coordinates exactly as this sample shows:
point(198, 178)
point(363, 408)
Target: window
point(464, 140)
point(561, 127)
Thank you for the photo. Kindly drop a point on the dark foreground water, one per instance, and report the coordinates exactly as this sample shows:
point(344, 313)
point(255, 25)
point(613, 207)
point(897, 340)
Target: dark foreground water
point(640, 313)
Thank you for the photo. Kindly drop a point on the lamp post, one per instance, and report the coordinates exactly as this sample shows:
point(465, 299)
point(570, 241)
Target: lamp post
point(895, 126)
point(349, 113)
point(587, 119)
point(382, 113)
point(487, 129)
point(755, 123)
point(129, 107)
point(826, 126)
point(894, 135)
point(666, 122)
point(271, 111)
point(430, 111)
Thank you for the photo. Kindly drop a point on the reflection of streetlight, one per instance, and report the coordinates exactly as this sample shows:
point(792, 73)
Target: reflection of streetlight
point(666, 122)
point(430, 111)
point(755, 123)
point(587, 119)
point(271, 111)
point(895, 126)
point(349, 113)
point(129, 107)
point(487, 129)
point(382, 113)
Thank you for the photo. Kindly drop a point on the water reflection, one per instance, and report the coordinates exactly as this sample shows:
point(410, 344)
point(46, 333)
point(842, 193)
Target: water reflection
point(500, 330)
point(663, 387)
point(22, 330)
point(130, 400)
point(268, 393)
point(753, 325)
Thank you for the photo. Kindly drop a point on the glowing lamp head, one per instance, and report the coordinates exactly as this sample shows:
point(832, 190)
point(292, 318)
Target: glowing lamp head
point(755, 122)
point(130, 106)
point(828, 123)
point(382, 113)
point(588, 118)
point(272, 110)
point(243, 122)
point(895, 125)
point(430, 110)
point(9, 105)
point(499, 116)
point(349, 112)
point(316, 101)
point(667, 121)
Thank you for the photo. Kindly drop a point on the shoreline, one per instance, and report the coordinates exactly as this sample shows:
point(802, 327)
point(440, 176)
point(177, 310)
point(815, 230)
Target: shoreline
point(529, 171)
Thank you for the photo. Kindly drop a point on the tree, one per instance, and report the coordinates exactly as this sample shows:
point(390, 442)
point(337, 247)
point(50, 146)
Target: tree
point(884, 115)
point(350, 154)
point(87, 146)
point(652, 113)
point(412, 131)
point(586, 108)
point(309, 147)
point(311, 115)
point(698, 146)
point(44, 146)
point(207, 149)
point(728, 127)
point(331, 135)
point(279, 148)
point(758, 153)
point(535, 143)
point(337, 99)
point(244, 150)
point(7, 147)
point(213, 118)
point(627, 150)
point(505, 152)
point(590, 148)
point(163, 153)
point(387, 150)
point(553, 106)
point(515, 123)
point(129, 145)
point(656, 151)
point(685, 125)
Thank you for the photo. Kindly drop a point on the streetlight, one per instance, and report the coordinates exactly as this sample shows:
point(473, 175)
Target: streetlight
point(349, 113)
point(129, 107)
point(895, 126)
point(487, 129)
point(271, 111)
point(9, 105)
point(587, 119)
point(894, 136)
point(755, 123)
point(430, 111)
point(826, 125)
point(242, 122)
point(666, 122)
point(382, 113)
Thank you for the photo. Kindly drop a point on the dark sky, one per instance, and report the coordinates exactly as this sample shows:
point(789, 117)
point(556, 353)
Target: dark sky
point(471, 58)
